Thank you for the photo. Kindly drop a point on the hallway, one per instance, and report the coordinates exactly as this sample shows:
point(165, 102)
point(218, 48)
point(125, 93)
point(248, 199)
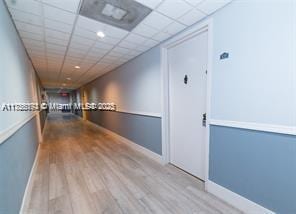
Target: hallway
point(81, 170)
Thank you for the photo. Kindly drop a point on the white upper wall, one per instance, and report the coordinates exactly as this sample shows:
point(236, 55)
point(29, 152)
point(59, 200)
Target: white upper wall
point(257, 82)
point(17, 82)
point(133, 87)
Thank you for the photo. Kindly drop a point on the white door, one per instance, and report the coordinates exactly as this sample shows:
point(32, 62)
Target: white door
point(188, 60)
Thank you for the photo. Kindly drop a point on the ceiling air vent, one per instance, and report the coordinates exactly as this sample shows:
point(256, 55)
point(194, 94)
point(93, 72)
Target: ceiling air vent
point(125, 14)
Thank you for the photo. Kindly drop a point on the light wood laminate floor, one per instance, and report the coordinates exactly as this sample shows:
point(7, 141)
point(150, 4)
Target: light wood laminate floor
point(82, 170)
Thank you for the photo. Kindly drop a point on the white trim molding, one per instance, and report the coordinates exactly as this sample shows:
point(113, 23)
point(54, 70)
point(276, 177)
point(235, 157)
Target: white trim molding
point(147, 114)
point(7, 133)
point(236, 200)
point(255, 126)
point(26, 196)
point(131, 144)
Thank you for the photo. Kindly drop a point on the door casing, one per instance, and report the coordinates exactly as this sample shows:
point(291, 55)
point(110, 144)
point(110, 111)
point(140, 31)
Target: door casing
point(194, 30)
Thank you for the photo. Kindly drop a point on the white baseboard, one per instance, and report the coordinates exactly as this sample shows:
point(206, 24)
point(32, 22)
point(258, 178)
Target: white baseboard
point(129, 143)
point(29, 182)
point(236, 200)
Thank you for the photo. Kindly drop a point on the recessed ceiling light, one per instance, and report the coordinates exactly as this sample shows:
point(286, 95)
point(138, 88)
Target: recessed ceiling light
point(77, 67)
point(100, 34)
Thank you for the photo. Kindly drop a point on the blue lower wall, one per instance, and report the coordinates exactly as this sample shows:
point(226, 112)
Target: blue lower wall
point(17, 155)
point(260, 166)
point(143, 130)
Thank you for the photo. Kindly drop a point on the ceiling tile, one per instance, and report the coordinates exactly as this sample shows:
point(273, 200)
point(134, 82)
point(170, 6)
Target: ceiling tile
point(125, 44)
point(121, 50)
point(85, 33)
point(29, 28)
point(75, 54)
point(157, 20)
point(55, 47)
point(175, 8)
point(110, 40)
point(142, 48)
point(145, 30)
point(34, 43)
point(28, 35)
point(58, 15)
point(210, 6)
point(114, 32)
point(26, 17)
point(29, 6)
point(90, 24)
point(82, 41)
point(150, 3)
point(193, 2)
point(69, 5)
point(161, 36)
point(192, 17)
point(150, 43)
point(102, 45)
point(116, 54)
point(174, 28)
point(35, 49)
point(73, 50)
point(56, 41)
point(57, 34)
point(79, 46)
point(134, 38)
point(59, 26)
point(95, 54)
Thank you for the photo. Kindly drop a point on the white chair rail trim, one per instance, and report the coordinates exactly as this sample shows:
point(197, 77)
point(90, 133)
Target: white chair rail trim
point(291, 130)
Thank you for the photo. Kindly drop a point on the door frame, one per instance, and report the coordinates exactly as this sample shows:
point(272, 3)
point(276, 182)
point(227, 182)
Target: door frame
point(206, 25)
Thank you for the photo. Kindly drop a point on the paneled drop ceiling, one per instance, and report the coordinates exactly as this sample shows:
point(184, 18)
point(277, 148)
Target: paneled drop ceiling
point(58, 39)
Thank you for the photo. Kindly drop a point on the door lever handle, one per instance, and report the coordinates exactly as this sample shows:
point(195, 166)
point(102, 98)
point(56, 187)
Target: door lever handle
point(204, 119)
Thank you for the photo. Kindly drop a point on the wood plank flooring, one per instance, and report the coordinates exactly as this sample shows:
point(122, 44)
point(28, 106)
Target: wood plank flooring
point(82, 170)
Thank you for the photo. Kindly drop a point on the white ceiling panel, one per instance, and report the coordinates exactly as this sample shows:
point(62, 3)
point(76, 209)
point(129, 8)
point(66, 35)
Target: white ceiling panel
point(69, 5)
point(192, 17)
point(85, 33)
point(210, 6)
point(145, 30)
point(114, 32)
point(174, 9)
point(194, 2)
point(150, 43)
point(58, 15)
point(174, 28)
point(28, 28)
point(89, 24)
point(121, 50)
point(29, 6)
point(125, 44)
point(82, 41)
point(150, 3)
point(28, 35)
point(157, 20)
point(161, 36)
point(102, 45)
point(110, 40)
point(57, 34)
point(27, 17)
point(57, 38)
point(51, 40)
point(58, 26)
point(134, 38)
